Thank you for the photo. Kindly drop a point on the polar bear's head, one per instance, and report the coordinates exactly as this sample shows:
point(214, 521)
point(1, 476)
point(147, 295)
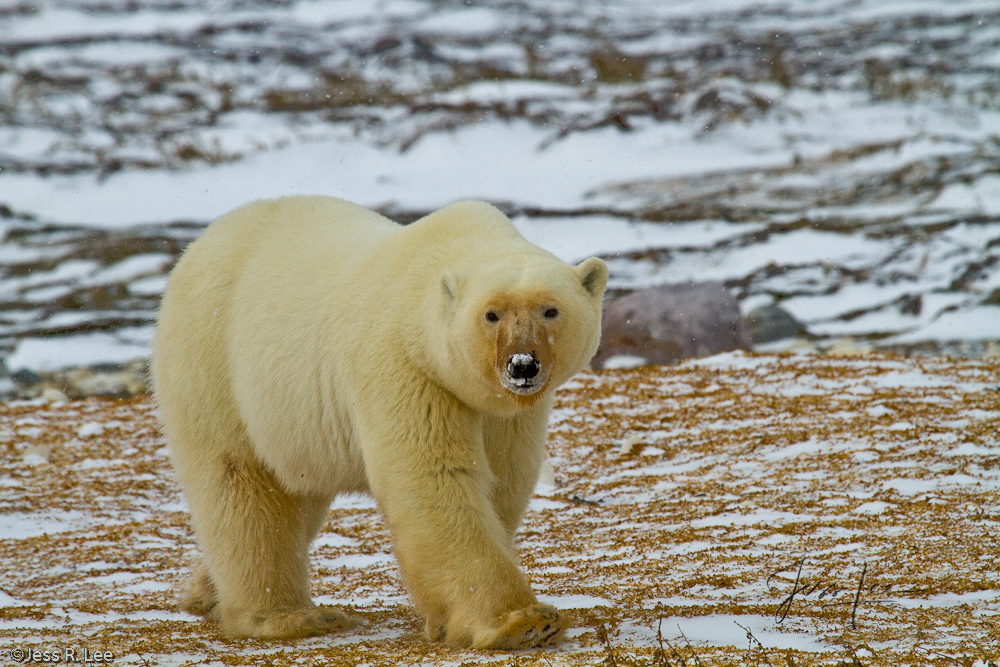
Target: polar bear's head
point(517, 327)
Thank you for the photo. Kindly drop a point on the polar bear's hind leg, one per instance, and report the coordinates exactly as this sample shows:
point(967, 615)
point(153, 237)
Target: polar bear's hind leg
point(255, 537)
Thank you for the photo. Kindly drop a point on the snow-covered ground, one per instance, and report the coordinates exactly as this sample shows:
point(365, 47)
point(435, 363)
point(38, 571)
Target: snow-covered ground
point(837, 157)
point(752, 510)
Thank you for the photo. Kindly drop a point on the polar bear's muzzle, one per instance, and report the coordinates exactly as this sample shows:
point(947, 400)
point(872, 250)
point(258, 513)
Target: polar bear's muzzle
point(523, 374)
point(524, 358)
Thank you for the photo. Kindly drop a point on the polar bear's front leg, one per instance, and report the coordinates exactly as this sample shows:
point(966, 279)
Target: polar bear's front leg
point(516, 447)
point(432, 480)
point(456, 561)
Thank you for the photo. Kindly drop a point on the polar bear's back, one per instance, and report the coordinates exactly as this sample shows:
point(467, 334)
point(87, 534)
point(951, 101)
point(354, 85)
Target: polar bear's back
point(336, 228)
point(273, 254)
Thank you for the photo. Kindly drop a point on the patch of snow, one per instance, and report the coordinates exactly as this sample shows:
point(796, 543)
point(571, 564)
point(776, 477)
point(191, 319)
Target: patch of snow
point(874, 508)
point(8, 601)
point(540, 504)
point(132, 267)
point(624, 361)
point(150, 286)
point(333, 540)
point(910, 487)
point(811, 446)
point(24, 525)
point(901, 426)
point(354, 501)
point(982, 197)
point(879, 410)
point(574, 601)
point(90, 429)
point(726, 630)
point(947, 600)
point(74, 350)
point(970, 449)
point(466, 22)
point(759, 516)
point(734, 360)
point(980, 323)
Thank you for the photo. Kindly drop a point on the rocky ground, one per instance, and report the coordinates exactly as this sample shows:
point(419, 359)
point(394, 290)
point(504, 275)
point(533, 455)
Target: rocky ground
point(739, 510)
point(839, 159)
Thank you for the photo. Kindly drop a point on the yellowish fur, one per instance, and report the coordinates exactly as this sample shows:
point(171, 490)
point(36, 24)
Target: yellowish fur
point(308, 347)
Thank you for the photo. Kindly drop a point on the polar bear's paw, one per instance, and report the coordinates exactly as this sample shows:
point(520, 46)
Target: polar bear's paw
point(534, 626)
point(288, 624)
point(199, 595)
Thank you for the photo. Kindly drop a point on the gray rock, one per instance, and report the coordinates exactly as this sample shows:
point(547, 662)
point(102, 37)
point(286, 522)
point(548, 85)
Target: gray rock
point(770, 323)
point(664, 324)
point(26, 378)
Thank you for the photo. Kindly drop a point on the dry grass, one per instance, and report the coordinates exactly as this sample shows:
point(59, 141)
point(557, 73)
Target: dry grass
point(850, 507)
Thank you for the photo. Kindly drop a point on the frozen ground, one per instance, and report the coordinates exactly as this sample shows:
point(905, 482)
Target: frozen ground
point(838, 157)
point(753, 510)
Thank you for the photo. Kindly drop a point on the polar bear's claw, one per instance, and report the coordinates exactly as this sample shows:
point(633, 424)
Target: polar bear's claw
point(534, 626)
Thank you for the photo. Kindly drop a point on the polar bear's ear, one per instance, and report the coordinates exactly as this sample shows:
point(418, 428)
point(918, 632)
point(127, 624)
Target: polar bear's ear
point(449, 287)
point(593, 274)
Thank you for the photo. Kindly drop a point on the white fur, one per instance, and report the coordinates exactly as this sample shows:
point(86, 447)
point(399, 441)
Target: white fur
point(308, 347)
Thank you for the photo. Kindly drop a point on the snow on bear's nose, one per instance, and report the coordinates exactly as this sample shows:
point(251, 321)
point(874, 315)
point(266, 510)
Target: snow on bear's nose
point(523, 368)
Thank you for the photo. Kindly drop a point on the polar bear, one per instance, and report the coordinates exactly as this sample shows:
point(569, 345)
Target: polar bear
point(307, 347)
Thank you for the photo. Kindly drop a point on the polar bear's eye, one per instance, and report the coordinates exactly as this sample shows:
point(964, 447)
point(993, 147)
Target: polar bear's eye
point(492, 316)
point(551, 313)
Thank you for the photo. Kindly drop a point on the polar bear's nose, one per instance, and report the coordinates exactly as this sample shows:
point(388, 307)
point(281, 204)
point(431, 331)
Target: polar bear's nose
point(523, 366)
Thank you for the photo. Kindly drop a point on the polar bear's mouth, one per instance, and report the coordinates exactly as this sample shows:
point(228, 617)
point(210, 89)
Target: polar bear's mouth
point(522, 374)
point(522, 387)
